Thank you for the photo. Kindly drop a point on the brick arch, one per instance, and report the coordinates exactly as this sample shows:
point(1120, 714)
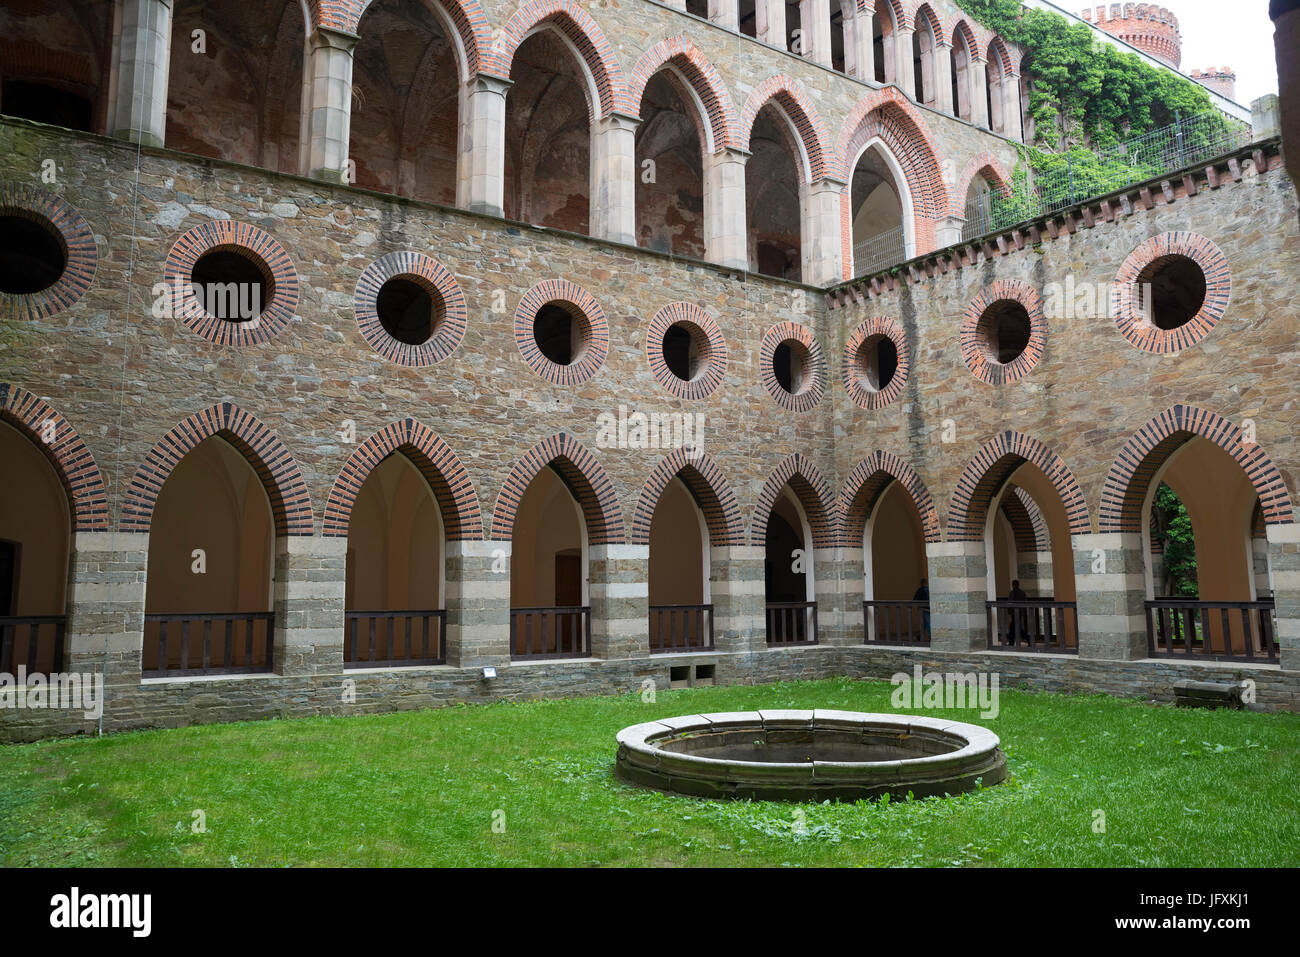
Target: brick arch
point(466, 15)
point(707, 485)
point(992, 466)
point(889, 115)
point(273, 463)
point(72, 461)
point(680, 53)
point(958, 26)
point(982, 164)
point(997, 47)
point(1130, 477)
point(813, 493)
point(923, 11)
point(577, 25)
point(435, 460)
point(580, 472)
point(1027, 522)
point(898, 13)
point(791, 97)
point(868, 481)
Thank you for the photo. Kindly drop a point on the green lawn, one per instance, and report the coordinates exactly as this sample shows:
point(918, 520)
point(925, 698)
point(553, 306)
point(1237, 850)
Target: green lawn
point(1177, 787)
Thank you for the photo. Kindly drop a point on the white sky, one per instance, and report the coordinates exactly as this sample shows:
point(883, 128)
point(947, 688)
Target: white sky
point(1237, 35)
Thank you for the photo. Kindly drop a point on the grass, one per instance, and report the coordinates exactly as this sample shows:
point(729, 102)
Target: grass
point(1177, 788)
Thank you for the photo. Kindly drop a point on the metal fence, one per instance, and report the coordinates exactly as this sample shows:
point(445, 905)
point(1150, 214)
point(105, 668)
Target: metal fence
point(879, 251)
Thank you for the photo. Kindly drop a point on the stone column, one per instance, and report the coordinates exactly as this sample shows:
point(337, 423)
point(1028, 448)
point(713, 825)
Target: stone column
point(815, 20)
point(724, 208)
point(1011, 127)
point(838, 585)
point(613, 179)
point(865, 44)
point(310, 590)
point(106, 587)
point(1284, 562)
point(769, 19)
point(822, 263)
point(904, 75)
point(947, 232)
point(737, 589)
point(958, 591)
point(1110, 587)
point(481, 173)
point(942, 72)
point(979, 97)
point(619, 595)
point(478, 603)
point(725, 13)
point(144, 56)
point(329, 108)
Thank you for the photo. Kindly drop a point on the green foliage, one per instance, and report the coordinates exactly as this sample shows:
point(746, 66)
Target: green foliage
point(1173, 527)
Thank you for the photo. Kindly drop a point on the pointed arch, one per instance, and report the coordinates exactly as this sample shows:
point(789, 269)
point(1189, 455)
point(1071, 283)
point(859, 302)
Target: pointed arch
point(1129, 479)
point(793, 101)
point(274, 465)
point(73, 463)
point(707, 485)
point(581, 473)
point(813, 493)
point(1027, 522)
point(983, 164)
point(992, 466)
point(580, 30)
point(471, 34)
point(926, 12)
point(867, 482)
point(685, 59)
point(958, 28)
point(998, 54)
point(432, 457)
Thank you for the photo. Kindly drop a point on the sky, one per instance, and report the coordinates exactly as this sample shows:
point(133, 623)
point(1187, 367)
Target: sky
point(1238, 35)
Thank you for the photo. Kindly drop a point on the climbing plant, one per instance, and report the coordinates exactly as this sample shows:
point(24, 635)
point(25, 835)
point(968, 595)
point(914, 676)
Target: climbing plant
point(1172, 527)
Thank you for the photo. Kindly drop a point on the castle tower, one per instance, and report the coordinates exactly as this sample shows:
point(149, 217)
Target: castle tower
point(1151, 29)
point(1220, 79)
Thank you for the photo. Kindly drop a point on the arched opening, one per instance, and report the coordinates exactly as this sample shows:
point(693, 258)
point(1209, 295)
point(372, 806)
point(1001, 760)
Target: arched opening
point(979, 208)
point(394, 612)
point(235, 79)
point(788, 586)
point(208, 597)
point(681, 613)
point(994, 93)
point(882, 42)
point(548, 135)
point(841, 37)
point(881, 236)
point(1030, 566)
point(33, 254)
point(774, 196)
point(922, 53)
point(35, 541)
point(54, 62)
point(549, 614)
point(405, 89)
point(670, 171)
point(795, 41)
point(960, 57)
point(1207, 576)
point(896, 606)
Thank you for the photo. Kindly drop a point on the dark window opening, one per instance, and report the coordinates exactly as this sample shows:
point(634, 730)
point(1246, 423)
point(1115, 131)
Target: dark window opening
point(748, 18)
point(1005, 330)
point(45, 104)
point(790, 365)
point(879, 362)
point(681, 352)
point(1171, 291)
point(406, 311)
point(554, 331)
point(32, 255)
point(230, 286)
point(699, 8)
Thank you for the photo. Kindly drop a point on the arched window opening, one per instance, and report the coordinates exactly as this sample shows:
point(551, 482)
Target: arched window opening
point(681, 615)
point(879, 230)
point(55, 62)
point(774, 197)
point(788, 574)
point(670, 171)
point(979, 209)
point(896, 606)
point(549, 613)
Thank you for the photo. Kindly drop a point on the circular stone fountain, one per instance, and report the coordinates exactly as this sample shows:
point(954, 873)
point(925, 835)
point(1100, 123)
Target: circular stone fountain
point(809, 755)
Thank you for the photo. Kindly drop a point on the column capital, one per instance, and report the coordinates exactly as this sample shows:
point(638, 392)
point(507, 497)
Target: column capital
point(619, 121)
point(828, 184)
point(487, 83)
point(729, 154)
point(333, 38)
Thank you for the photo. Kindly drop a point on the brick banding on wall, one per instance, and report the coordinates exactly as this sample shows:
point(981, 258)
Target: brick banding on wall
point(273, 463)
point(867, 482)
point(72, 461)
point(986, 165)
point(584, 309)
point(1128, 480)
point(1137, 328)
point(790, 96)
point(712, 350)
point(260, 248)
point(992, 466)
point(818, 502)
point(74, 235)
point(436, 461)
point(580, 471)
point(707, 485)
point(974, 330)
point(851, 373)
point(811, 392)
point(680, 56)
point(449, 327)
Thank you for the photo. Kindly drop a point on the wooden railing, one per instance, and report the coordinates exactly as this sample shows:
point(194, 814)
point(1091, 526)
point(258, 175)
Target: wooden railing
point(32, 641)
point(792, 623)
point(560, 632)
point(896, 622)
point(680, 628)
point(1037, 624)
point(394, 639)
point(207, 644)
point(1211, 630)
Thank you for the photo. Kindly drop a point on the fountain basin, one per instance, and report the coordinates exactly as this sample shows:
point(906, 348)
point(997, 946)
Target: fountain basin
point(816, 755)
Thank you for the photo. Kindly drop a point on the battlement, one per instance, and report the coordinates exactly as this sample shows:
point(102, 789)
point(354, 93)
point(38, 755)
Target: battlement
point(1150, 28)
point(1220, 79)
